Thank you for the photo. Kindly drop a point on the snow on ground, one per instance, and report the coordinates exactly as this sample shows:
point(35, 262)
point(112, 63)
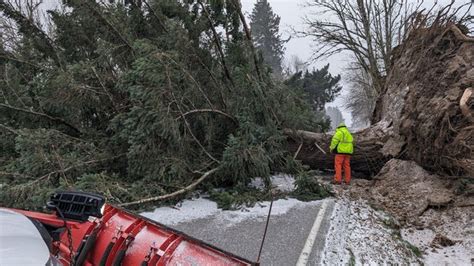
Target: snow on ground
point(447, 238)
point(359, 235)
point(457, 254)
point(282, 182)
point(199, 208)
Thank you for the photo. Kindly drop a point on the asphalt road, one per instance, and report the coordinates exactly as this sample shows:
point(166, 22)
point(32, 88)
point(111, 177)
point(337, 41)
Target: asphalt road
point(288, 235)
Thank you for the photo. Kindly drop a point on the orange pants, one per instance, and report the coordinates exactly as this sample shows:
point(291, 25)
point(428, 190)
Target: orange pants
point(339, 161)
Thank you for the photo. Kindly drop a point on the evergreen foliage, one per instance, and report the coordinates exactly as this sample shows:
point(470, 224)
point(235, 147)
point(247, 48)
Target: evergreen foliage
point(308, 188)
point(133, 99)
point(265, 26)
point(320, 86)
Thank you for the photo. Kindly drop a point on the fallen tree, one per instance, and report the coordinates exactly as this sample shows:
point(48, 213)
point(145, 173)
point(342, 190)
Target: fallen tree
point(312, 149)
point(151, 83)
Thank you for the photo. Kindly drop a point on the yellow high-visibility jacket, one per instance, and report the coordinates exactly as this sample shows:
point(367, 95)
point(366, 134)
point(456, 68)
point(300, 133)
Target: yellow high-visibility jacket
point(342, 140)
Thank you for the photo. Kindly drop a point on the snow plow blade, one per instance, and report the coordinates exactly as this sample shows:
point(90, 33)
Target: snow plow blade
point(120, 237)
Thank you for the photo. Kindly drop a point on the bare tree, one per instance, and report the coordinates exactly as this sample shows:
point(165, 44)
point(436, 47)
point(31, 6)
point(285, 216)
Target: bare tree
point(294, 65)
point(335, 115)
point(368, 29)
point(361, 97)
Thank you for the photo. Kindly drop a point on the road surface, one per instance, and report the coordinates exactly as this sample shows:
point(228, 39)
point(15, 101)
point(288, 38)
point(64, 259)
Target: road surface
point(295, 237)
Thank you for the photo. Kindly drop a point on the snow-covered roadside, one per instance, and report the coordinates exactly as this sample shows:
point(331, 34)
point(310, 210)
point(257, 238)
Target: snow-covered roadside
point(457, 254)
point(359, 235)
point(199, 208)
point(447, 240)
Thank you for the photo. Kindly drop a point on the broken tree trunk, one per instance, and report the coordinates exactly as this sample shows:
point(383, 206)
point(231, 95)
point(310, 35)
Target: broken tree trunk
point(313, 150)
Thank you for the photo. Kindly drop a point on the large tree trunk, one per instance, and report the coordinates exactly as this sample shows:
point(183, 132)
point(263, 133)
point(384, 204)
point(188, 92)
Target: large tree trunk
point(313, 150)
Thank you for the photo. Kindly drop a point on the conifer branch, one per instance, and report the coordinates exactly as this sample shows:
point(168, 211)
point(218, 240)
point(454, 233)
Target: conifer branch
point(249, 37)
point(186, 72)
point(218, 43)
point(9, 129)
point(68, 169)
point(160, 21)
point(186, 121)
point(27, 27)
point(95, 11)
point(51, 118)
point(208, 111)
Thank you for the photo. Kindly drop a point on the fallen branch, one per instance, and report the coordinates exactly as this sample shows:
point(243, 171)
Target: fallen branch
point(174, 194)
point(298, 151)
point(317, 146)
point(54, 119)
point(208, 111)
point(9, 129)
point(65, 170)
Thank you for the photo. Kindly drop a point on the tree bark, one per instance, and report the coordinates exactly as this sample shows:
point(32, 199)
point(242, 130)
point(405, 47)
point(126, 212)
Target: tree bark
point(313, 150)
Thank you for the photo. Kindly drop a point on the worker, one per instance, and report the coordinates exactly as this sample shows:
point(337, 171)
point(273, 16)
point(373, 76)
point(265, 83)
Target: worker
point(341, 144)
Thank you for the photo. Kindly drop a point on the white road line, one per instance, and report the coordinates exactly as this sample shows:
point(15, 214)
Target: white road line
point(308, 246)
